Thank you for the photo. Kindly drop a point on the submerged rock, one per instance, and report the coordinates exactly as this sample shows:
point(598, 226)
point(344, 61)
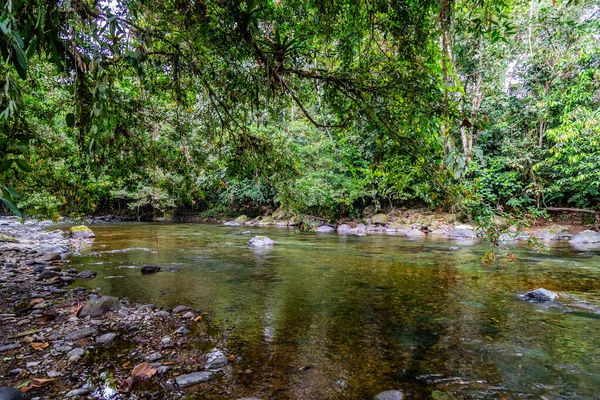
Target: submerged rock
point(8, 393)
point(194, 378)
point(180, 309)
point(150, 269)
point(100, 306)
point(81, 232)
point(540, 295)
point(261, 241)
point(390, 395)
point(86, 275)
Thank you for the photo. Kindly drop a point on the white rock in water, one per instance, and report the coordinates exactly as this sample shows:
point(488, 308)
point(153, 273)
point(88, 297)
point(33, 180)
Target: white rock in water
point(325, 229)
point(261, 241)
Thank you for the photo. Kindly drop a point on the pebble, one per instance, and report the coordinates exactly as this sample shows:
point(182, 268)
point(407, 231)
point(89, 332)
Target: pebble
point(180, 309)
point(76, 352)
point(79, 392)
point(154, 357)
point(9, 347)
point(182, 330)
point(81, 333)
point(194, 378)
point(216, 359)
point(107, 338)
point(188, 315)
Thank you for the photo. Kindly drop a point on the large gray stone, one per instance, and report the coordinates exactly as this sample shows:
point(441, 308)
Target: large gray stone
point(100, 306)
point(390, 395)
point(8, 393)
point(261, 241)
point(194, 378)
point(463, 232)
point(325, 229)
point(345, 229)
point(81, 232)
point(586, 237)
point(81, 333)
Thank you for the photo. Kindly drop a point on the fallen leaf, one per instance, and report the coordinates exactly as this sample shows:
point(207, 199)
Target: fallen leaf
point(26, 333)
point(76, 308)
point(36, 301)
point(126, 365)
point(143, 371)
point(41, 382)
point(39, 346)
point(35, 383)
point(198, 318)
point(126, 385)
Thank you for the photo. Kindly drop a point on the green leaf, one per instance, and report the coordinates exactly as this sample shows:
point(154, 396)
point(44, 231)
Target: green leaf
point(70, 119)
point(23, 165)
point(5, 165)
point(12, 193)
point(12, 207)
point(20, 63)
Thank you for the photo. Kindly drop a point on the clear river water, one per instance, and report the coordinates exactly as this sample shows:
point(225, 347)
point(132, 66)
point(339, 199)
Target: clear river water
point(323, 316)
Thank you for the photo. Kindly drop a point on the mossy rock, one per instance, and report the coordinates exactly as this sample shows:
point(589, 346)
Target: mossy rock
point(242, 219)
point(266, 221)
point(81, 232)
point(380, 219)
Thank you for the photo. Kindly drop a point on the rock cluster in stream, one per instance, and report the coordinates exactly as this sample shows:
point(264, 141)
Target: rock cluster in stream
point(431, 225)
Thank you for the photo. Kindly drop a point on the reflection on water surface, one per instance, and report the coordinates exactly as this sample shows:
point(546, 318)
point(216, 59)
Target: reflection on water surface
point(343, 317)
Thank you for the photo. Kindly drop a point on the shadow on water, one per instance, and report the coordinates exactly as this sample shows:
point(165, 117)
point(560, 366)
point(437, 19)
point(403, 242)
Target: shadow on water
point(333, 317)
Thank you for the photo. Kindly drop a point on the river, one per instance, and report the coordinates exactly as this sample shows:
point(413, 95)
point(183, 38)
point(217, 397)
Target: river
point(323, 316)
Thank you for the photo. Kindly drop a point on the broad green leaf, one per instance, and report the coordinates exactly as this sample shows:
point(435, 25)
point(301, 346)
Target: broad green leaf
point(23, 165)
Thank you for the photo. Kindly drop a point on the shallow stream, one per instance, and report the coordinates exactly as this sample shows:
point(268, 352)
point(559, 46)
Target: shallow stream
point(322, 316)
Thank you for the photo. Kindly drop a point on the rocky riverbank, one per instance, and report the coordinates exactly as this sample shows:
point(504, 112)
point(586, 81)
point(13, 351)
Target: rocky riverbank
point(420, 225)
point(60, 341)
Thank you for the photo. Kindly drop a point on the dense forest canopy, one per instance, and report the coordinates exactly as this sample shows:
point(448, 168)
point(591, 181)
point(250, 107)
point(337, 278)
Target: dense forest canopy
point(320, 107)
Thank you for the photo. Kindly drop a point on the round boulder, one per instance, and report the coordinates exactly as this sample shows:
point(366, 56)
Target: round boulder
point(261, 241)
point(81, 232)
